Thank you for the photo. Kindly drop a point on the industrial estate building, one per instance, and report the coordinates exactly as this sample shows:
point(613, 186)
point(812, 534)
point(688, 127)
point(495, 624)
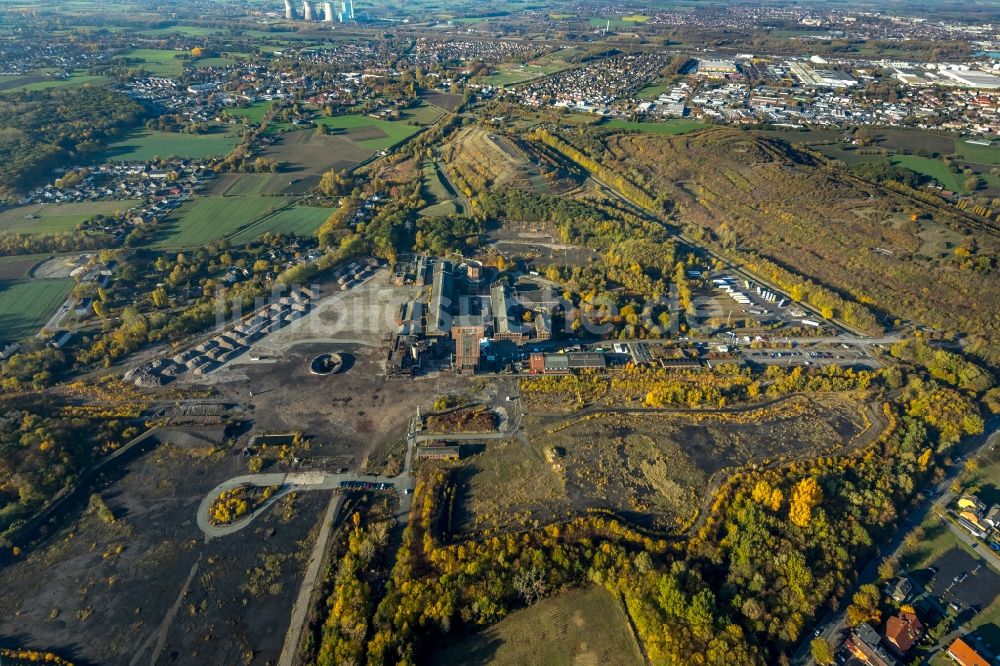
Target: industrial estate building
point(468, 310)
point(821, 78)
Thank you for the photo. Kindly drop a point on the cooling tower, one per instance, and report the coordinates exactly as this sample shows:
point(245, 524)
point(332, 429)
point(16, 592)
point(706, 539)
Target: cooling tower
point(328, 12)
point(307, 10)
point(289, 10)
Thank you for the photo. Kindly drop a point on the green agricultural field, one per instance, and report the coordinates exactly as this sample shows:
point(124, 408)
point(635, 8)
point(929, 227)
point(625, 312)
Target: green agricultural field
point(56, 218)
point(206, 219)
point(978, 154)
point(282, 35)
point(511, 73)
point(274, 128)
point(149, 144)
point(253, 113)
point(596, 22)
point(550, 63)
point(18, 266)
point(27, 305)
point(298, 220)
point(162, 62)
point(189, 30)
point(425, 114)
point(368, 132)
point(216, 61)
point(31, 82)
point(249, 184)
point(932, 168)
point(678, 126)
point(585, 626)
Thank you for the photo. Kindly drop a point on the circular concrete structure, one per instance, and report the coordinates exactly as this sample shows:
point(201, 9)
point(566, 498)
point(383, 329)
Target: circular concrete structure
point(326, 364)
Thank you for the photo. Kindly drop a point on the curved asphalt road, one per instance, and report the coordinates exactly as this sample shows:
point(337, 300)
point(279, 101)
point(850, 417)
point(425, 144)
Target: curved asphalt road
point(294, 482)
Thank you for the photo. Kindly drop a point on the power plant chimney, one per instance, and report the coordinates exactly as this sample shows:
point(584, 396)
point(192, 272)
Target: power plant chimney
point(328, 11)
point(307, 10)
point(289, 10)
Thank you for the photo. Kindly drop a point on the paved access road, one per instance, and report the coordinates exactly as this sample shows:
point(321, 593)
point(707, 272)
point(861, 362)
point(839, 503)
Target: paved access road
point(295, 482)
point(317, 557)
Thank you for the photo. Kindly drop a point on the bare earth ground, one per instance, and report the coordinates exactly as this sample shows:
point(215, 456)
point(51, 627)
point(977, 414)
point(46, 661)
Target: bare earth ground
point(349, 417)
point(59, 267)
point(148, 588)
point(654, 469)
point(307, 155)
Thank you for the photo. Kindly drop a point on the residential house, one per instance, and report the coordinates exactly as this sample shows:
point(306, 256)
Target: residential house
point(965, 655)
point(903, 631)
point(865, 644)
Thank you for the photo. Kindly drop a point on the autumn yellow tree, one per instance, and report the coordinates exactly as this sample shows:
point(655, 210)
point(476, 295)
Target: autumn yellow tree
point(766, 495)
point(805, 496)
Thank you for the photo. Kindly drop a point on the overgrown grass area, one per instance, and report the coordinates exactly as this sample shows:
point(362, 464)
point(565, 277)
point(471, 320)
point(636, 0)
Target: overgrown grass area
point(677, 126)
point(658, 469)
point(56, 218)
point(932, 168)
point(585, 626)
point(149, 144)
point(437, 192)
point(25, 306)
point(653, 90)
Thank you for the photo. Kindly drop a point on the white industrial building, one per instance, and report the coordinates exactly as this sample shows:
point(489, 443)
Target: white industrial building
point(971, 78)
